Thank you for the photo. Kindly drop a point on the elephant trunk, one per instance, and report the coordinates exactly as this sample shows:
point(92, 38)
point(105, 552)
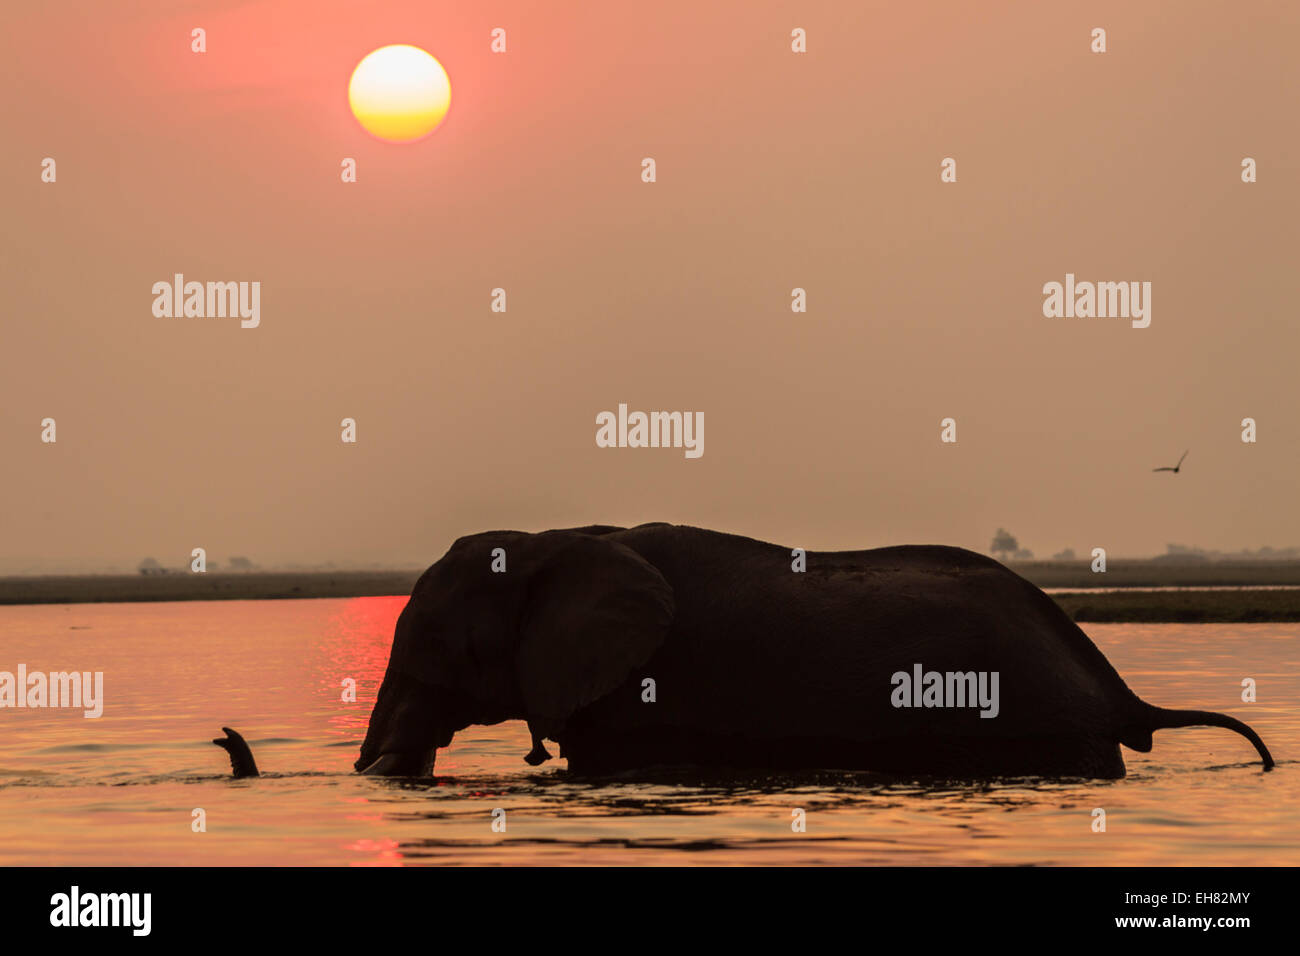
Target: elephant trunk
point(402, 765)
point(406, 729)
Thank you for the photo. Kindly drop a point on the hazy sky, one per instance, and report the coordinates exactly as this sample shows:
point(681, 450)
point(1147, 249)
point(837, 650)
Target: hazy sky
point(775, 170)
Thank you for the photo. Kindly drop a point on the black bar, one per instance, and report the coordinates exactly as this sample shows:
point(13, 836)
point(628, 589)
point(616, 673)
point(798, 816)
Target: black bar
point(483, 906)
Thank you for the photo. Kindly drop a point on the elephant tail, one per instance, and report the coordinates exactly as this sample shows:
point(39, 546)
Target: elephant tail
point(1161, 719)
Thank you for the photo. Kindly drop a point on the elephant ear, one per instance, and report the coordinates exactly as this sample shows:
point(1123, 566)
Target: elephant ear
point(595, 610)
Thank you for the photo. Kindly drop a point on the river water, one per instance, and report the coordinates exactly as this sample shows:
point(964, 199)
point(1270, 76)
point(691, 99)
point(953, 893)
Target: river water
point(127, 788)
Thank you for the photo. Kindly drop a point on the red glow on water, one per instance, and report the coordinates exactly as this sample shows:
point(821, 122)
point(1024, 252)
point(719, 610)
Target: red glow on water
point(356, 647)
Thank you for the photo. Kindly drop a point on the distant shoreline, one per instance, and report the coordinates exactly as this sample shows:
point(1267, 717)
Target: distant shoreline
point(1128, 598)
point(211, 586)
point(1122, 573)
point(1136, 606)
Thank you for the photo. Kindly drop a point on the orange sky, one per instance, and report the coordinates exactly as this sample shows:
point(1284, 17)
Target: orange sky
point(775, 170)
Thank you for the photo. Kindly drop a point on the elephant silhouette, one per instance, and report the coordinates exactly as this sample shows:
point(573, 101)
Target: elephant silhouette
point(848, 664)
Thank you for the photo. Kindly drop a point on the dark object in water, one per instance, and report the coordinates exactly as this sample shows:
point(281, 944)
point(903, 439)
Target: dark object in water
point(241, 758)
point(666, 645)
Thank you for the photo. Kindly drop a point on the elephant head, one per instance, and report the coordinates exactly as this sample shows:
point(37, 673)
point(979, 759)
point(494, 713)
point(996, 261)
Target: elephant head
point(535, 631)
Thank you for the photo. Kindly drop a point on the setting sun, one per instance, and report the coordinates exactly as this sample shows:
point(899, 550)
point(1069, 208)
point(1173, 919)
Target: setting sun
point(399, 93)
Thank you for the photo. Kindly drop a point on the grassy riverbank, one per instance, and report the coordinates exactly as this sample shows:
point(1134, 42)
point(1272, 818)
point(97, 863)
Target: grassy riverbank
point(251, 586)
point(1134, 601)
point(1185, 607)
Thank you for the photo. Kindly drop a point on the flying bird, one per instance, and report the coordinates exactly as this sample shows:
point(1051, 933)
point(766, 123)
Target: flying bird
point(1175, 468)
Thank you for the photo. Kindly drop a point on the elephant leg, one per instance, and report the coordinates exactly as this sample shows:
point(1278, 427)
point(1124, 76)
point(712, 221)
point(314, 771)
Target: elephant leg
point(539, 754)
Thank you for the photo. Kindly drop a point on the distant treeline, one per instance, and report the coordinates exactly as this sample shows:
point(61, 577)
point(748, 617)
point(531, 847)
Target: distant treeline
point(1177, 552)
